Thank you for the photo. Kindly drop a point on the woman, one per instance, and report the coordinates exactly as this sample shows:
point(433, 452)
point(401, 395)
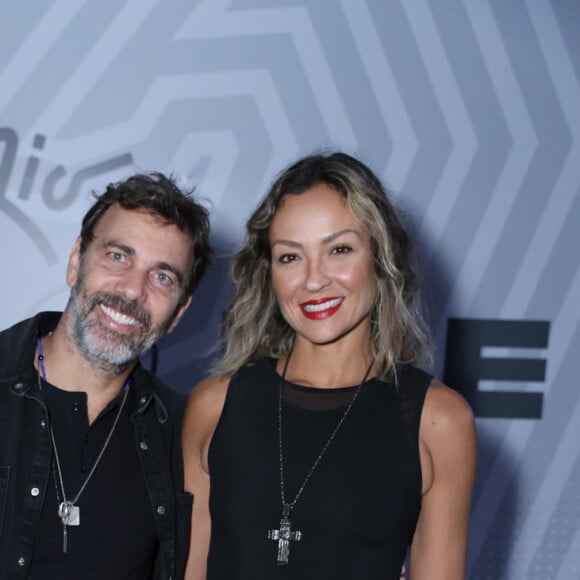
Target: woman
point(320, 450)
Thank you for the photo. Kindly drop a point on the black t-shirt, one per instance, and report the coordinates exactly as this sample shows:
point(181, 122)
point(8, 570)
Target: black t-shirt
point(358, 511)
point(116, 538)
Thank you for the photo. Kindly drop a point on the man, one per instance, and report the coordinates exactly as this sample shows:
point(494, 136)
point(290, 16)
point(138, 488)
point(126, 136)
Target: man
point(91, 478)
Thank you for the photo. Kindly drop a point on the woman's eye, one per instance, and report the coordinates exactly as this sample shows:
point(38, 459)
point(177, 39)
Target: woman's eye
point(286, 258)
point(341, 250)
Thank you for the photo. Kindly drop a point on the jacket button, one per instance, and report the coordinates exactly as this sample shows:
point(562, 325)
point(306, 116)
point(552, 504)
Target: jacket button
point(43, 423)
point(19, 387)
point(21, 561)
point(34, 491)
point(143, 400)
point(143, 445)
point(161, 510)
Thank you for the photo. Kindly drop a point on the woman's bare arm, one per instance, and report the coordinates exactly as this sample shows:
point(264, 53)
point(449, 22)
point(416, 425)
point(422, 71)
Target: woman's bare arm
point(204, 408)
point(448, 463)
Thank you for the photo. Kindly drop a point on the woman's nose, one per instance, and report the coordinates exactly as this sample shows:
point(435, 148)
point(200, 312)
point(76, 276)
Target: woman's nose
point(316, 276)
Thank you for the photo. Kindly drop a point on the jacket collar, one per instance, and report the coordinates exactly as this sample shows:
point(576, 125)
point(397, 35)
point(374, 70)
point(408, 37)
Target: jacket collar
point(18, 344)
point(21, 374)
point(147, 394)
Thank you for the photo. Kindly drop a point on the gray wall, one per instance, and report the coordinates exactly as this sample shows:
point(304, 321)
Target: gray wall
point(468, 110)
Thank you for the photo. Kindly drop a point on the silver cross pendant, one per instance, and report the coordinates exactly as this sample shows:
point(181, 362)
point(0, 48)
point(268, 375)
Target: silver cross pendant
point(284, 535)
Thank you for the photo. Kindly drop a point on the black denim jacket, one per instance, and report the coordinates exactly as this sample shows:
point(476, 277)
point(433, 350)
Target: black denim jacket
point(26, 453)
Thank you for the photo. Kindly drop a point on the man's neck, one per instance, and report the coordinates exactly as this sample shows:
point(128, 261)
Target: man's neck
point(68, 370)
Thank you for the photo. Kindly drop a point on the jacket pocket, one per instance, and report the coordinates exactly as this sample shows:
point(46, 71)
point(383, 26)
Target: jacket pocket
point(4, 479)
point(183, 506)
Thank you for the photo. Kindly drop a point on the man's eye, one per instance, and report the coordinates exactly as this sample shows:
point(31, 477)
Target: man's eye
point(117, 256)
point(163, 278)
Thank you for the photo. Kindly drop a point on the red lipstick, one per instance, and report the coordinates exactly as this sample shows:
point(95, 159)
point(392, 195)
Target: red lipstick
point(322, 308)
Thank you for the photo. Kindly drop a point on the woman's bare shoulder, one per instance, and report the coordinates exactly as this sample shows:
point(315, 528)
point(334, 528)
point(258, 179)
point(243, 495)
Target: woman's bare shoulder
point(206, 401)
point(447, 433)
point(445, 410)
point(447, 427)
point(209, 389)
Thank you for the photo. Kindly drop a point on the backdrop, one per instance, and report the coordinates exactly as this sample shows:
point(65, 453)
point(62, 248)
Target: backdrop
point(467, 109)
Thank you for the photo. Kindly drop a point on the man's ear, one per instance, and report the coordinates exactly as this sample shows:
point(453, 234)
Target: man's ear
point(178, 314)
point(74, 264)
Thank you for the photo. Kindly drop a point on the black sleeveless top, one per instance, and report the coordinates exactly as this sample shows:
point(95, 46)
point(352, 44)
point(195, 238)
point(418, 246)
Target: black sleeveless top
point(358, 511)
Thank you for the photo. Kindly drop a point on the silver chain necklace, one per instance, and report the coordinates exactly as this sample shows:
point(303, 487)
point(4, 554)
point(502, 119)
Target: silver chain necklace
point(285, 534)
point(68, 511)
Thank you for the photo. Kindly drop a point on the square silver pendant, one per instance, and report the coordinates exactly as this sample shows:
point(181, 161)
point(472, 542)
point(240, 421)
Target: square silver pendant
point(74, 519)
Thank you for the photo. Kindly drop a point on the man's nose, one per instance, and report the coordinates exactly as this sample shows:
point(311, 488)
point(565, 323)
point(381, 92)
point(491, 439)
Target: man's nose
point(132, 285)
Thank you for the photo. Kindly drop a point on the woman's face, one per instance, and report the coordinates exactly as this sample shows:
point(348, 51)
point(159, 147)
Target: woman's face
point(322, 267)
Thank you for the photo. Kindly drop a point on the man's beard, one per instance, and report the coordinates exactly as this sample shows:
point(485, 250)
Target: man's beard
point(111, 351)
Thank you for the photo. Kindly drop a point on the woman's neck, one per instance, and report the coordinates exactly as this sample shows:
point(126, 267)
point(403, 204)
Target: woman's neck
point(327, 366)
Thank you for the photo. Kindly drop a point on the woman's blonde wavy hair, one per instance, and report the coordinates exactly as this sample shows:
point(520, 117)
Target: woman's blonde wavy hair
point(253, 326)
